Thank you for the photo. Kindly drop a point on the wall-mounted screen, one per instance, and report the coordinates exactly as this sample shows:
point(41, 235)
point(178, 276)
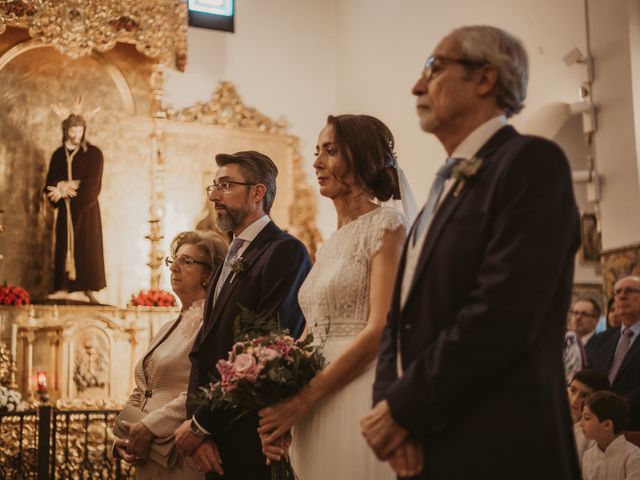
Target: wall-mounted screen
point(212, 14)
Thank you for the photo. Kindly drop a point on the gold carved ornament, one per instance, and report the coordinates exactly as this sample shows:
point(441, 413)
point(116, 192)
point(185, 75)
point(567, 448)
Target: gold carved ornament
point(158, 28)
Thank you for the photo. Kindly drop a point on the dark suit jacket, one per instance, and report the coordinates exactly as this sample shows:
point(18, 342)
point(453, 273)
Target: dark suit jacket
point(627, 381)
point(481, 334)
point(276, 264)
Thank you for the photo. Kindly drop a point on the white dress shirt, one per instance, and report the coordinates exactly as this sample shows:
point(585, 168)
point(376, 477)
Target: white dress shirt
point(467, 149)
point(620, 461)
point(247, 236)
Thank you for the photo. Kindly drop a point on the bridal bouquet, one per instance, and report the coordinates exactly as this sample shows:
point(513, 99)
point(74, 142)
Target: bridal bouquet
point(152, 298)
point(263, 368)
point(10, 295)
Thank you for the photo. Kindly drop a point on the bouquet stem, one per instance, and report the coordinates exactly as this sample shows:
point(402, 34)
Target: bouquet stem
point(283, 470)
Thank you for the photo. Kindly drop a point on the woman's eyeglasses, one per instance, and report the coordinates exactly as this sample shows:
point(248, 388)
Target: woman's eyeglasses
point(182, 260)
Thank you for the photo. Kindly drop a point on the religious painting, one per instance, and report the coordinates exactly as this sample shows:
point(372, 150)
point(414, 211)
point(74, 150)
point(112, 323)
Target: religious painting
point(591, 239)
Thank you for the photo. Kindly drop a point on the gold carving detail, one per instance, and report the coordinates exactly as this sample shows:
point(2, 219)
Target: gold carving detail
point(227, 110)
point(158, 28)
point(91, 369)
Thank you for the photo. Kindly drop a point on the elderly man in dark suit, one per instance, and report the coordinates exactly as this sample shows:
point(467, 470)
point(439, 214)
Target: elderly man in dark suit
point(263, 272)
point(616, 351)
point(470, 379)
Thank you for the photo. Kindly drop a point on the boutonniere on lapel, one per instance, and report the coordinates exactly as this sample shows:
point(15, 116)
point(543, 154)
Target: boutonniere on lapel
point(237, 267)
point(463, 171)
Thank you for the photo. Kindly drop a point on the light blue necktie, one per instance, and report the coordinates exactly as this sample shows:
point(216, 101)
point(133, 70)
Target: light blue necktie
point(226, 268)
point(442, 175)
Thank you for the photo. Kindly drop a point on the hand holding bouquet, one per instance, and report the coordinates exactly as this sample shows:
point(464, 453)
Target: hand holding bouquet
point(263, 368)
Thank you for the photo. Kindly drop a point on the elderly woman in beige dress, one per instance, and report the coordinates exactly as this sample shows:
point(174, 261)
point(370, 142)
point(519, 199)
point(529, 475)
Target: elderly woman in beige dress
point(162, 374)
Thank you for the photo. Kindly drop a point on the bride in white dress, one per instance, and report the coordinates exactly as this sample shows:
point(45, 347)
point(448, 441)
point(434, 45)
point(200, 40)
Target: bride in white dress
point(345, 300)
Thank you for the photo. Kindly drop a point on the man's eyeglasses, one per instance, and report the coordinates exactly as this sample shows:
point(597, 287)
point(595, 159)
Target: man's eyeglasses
point(580, 313)
point(224, 185)
point(183, 260)
point(436, 63)
point(626, 291)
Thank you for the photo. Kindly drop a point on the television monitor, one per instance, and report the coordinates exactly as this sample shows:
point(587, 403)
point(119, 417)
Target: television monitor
point(212, 14)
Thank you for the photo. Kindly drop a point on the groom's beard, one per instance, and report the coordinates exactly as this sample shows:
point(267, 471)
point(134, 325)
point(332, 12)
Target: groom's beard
point(228, 219)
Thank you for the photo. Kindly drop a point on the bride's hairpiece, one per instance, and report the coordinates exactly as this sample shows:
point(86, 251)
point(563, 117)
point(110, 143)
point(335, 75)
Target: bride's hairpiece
point(393, 157)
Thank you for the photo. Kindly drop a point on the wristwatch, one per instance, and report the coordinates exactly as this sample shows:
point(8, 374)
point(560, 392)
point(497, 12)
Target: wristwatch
point(195, 429)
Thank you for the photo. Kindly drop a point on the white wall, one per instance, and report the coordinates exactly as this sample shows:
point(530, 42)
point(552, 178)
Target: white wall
point(381, 57)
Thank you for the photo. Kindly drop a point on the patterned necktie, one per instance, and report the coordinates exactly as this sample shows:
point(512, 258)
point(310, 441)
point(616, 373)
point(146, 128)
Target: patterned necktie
point(442, 175)
point(226, 268)
point(622, 350)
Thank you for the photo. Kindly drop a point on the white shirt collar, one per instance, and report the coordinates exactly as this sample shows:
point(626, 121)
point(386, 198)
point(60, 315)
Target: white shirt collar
point(614, 446)
point(469, 147)
point(252, 231)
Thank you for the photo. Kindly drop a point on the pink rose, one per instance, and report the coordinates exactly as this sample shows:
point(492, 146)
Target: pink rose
point(267, 354)
point(227, 375)
point(245, 366)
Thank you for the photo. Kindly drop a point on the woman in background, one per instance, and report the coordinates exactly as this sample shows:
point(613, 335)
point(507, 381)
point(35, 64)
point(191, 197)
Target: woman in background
point(162, 374)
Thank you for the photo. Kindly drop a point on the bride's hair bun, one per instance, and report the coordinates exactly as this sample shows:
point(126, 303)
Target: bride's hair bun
point(367, 146)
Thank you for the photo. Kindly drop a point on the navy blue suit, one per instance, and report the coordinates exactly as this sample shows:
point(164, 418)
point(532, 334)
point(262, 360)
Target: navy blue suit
point(482, 330)
point(627, 382)
point(276, 264)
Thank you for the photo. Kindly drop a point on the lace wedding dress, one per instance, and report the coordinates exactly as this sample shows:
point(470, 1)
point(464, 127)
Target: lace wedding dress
point(328, 444)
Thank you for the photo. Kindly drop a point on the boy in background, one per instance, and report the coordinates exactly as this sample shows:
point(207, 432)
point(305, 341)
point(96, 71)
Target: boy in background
point(604, 416)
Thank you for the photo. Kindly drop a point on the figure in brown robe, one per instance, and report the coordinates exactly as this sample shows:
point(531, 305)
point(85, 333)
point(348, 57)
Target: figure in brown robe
point(73, 186)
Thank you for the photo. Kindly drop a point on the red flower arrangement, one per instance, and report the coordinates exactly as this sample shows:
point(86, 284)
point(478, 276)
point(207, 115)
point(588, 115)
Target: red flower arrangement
point(152, 298)
point(12, 295)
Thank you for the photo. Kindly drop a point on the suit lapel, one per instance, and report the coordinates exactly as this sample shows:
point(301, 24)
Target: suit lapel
point(606, 352)
point(451, 202)
point(158, 340)
point(633, 351)
point(250, 256)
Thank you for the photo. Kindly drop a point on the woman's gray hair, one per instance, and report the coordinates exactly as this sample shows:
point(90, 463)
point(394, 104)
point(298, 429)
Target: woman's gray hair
point(482, 43)
point(212, 246)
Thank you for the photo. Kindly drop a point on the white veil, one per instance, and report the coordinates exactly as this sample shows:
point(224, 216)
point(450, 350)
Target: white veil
point(407, 202)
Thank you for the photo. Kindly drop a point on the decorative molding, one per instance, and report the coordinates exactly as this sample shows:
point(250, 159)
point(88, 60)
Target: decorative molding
point(77, 28)
point(227, 110)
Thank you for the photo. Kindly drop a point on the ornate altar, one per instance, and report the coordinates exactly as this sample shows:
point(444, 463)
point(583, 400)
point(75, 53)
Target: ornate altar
point(86, 354)
point(158, 162)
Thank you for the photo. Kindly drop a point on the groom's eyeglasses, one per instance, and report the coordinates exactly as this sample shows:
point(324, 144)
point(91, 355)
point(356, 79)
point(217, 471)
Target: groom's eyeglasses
point(224, 186)
point(182, 260)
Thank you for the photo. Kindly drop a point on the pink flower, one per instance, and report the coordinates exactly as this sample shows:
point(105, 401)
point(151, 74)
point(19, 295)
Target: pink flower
point(227, 375)
point(267, 354)
point(246, 366)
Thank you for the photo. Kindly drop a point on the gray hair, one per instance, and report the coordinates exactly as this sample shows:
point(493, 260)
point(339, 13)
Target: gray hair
point(256, 168)
point(482, 43)
point(212, 246)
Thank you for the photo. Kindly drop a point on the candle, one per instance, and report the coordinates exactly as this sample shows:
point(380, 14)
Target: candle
point(42, 381)
point(14, 342)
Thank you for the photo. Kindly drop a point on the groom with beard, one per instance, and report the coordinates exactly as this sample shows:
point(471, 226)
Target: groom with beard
point(262, 272)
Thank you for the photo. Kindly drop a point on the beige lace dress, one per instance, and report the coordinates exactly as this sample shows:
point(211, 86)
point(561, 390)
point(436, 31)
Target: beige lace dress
point(327, 444)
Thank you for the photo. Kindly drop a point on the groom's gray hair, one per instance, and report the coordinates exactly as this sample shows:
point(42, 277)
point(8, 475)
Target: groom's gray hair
point(256, 168)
